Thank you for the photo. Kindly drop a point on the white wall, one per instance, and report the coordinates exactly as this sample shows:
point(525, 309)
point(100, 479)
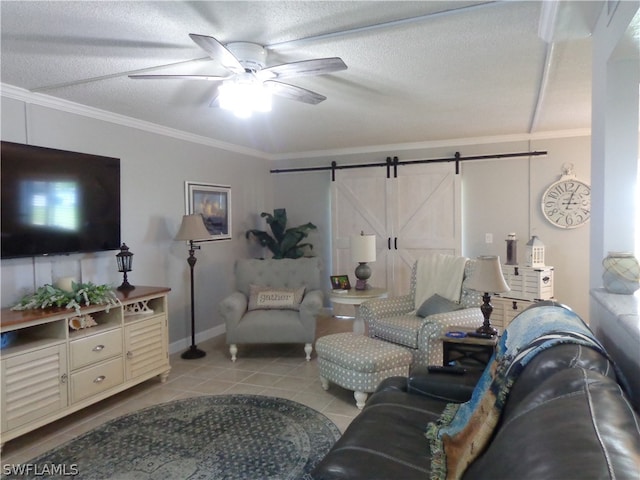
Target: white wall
point(154, 168)
point(615, 84)
point(499, 196)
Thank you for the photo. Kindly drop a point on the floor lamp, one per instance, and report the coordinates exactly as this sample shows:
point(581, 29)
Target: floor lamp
point(192, 229)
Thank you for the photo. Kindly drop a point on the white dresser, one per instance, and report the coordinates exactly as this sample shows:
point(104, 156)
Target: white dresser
point(51, 370)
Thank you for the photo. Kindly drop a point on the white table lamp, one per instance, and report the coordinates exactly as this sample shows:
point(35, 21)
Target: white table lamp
point(363, 250)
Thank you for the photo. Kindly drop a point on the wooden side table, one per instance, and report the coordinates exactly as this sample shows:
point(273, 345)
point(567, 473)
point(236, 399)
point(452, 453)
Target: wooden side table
point(469, 352)
point(356, 298)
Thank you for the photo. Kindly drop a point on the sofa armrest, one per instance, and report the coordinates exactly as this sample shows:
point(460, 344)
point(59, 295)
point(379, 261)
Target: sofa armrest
point(373, 309)
point(435, 326)
point(393, 383)
point(447, 387)
point(232, 308)
point(310, 307)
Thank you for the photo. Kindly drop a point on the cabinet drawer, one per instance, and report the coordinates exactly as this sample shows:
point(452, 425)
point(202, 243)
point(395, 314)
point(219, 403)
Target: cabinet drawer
point(529, 283)
point(96, 379)
point(96, 348)
point(513, 308)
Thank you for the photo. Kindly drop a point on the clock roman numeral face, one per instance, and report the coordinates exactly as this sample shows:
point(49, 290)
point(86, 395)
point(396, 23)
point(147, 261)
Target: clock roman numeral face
point(567, 203)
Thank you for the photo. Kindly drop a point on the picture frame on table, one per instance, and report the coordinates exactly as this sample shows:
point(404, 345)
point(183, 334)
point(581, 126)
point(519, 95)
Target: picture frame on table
point(213, 202)
point(340, 282)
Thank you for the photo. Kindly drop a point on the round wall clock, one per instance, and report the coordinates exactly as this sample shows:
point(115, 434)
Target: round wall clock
point(566, 203)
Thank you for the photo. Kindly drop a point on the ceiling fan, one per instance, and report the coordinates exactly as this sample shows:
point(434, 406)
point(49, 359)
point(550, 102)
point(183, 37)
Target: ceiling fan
point(250, 81)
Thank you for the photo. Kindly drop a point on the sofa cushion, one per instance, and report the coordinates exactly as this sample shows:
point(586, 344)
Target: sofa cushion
point(436, 304)
point(385, 441)
point(270, 298)
point(576, 424)
point(551, 361)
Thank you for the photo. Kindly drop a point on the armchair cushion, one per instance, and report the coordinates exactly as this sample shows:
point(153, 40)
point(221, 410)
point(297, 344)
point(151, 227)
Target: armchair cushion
point(437, 304)
point(267, 298)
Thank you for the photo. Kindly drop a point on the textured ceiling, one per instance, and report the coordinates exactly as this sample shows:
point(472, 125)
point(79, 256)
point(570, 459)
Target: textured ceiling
point(417, 71)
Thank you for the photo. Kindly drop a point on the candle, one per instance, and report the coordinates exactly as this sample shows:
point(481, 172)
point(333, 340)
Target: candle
point(65, 283)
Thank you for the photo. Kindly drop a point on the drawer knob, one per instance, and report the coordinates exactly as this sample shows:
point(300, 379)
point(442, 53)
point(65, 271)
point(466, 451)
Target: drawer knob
point(63, 378)
point(129, 354)
point(98, 348)
point(99, 379)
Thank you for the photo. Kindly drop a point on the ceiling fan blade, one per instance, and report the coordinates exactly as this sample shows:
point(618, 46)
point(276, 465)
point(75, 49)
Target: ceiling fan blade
point(317, 66)
point(218, 52)
point(211, 78)
point(294, 93)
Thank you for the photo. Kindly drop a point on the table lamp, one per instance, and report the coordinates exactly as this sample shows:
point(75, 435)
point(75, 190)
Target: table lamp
point(192, 229)
point(363, 250)
point(487, 277)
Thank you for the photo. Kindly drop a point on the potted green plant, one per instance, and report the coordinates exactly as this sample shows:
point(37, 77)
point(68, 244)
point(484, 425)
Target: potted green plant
point(285, 242)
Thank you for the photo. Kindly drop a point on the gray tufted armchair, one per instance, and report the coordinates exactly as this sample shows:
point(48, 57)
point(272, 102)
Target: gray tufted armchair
point(269, 324)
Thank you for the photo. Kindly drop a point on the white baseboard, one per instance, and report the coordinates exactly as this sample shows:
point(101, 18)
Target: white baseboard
point(184, 343)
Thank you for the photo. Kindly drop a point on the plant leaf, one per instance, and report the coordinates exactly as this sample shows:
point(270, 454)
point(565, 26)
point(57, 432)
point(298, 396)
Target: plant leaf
point(284, 243)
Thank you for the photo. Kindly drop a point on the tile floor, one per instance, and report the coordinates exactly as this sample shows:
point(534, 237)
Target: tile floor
point(274, 370)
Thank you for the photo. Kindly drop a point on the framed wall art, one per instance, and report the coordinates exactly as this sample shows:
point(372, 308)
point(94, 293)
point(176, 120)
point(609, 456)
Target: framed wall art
point(213, 202)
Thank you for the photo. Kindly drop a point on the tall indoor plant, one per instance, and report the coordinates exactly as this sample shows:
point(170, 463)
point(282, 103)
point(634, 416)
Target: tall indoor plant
point(285, 242)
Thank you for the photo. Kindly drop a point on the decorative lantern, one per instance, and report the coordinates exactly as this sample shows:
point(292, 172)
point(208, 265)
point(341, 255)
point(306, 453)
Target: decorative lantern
point(535, 252)
point(125, 261)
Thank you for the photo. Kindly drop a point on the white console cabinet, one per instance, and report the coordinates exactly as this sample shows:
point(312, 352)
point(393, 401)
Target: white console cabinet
point(50, 370)
point(528, 286)
point(506, 309)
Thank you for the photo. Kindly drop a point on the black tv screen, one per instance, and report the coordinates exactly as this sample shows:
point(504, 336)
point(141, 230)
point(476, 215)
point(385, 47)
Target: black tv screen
point(57, 202)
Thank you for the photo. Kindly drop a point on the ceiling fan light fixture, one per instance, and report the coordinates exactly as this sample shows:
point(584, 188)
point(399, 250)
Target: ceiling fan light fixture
point(244, 97)
point(249, 87)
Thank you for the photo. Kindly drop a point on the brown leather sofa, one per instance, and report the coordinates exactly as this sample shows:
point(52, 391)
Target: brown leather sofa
point(566, 417)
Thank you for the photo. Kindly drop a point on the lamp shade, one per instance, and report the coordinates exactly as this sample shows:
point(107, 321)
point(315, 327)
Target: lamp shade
point(363, 248)
point(487, 275)
point(192, 228)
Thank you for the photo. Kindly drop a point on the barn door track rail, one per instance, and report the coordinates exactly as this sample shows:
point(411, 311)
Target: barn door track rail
point(392, 164)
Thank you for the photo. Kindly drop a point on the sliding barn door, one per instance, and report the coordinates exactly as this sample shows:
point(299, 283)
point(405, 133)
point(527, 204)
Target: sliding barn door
point(413, 214)
point(359, 204)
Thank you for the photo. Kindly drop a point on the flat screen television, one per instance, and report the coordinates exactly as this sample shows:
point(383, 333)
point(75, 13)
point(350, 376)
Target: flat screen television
point(56, 202)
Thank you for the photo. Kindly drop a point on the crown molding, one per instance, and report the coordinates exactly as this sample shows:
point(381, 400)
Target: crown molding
point(451, 142)
point(40, 99)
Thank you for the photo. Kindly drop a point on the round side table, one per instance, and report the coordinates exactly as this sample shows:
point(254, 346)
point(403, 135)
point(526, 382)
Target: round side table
point(356, 298)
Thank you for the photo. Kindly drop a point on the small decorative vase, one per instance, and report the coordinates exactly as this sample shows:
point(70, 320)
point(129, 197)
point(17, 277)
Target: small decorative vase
point(621, 273)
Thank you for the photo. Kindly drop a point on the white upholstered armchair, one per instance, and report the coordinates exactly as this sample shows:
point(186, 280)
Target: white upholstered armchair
point(276, 301)
point(395, 319)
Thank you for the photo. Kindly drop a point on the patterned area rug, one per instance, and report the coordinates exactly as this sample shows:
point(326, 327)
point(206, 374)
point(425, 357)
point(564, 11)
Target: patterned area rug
point(244, 437)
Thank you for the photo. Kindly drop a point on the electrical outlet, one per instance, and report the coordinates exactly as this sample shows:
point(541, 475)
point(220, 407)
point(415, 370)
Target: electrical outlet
point(488, 238)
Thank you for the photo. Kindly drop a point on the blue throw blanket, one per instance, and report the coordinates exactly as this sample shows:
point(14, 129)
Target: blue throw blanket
point(463, 430)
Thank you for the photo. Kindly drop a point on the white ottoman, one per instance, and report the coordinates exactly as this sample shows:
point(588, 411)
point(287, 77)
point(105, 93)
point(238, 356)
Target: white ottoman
point(359, 363)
